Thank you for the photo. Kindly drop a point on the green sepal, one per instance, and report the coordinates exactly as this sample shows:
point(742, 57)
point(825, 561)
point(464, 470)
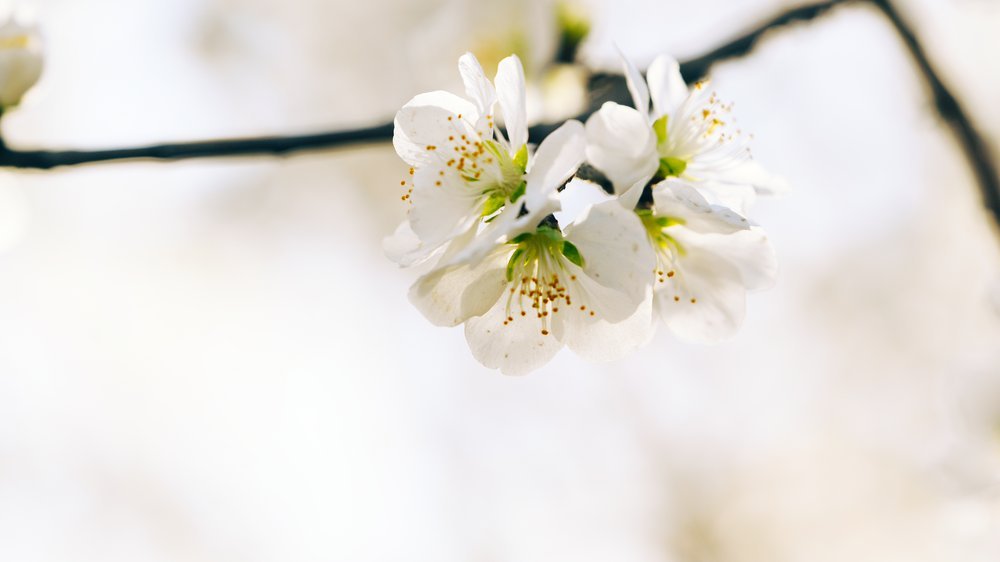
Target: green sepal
point(671, 166)
point(660, 128)
point(494, 203)
point(521, 158)
point(524, 236)
point(664, 222)
point(519, 192)
point(512, 263)
point(553, 234)
point(572, 253)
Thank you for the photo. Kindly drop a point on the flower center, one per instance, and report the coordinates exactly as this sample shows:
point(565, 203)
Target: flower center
point(466, 150)
point(668, 250)
point(670, 165)
point(507, 184)
point(539, 276)
point(702, 129)
point(483, 163)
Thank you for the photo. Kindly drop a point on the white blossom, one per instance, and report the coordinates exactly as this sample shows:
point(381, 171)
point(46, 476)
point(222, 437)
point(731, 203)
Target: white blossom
point(469, 186)
point(707, 258)
point(690, 134)
point(527, 275)
point(585, 286)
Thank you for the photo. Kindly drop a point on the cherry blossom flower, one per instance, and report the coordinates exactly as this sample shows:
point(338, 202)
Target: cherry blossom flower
point(531, 262)
point(690, 134)
point(585, 286)
point(707, 258)
point(469, 186)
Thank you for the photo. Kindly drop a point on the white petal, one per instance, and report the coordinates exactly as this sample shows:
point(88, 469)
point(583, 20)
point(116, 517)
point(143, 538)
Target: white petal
point(404, 247)
point(423, 122)
point(457, 245)
point(540, 198)
point(447, 101)
point(602, 301)
point(751, 173)
point(718, 293)
point(676, 199)
point(508, 224)
point(666, 86)
point(716, 271)
point(477, 86)
point(602, 341)
point(513, 219)
point(738, 197)
point(515, 349)
point(511, 94)
point(750, 252)
point(555, 161)
point(630, 197)
point(616, 254)
point(636, 86)
point(621, 144)
point(579, 196)
point(451, 295)
point(441, 212)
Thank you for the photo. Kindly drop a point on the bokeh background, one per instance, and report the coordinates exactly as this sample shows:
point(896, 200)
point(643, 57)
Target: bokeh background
point(212, 360)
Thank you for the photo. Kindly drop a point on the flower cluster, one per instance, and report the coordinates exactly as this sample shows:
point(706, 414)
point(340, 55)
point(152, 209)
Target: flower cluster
point(531, 258)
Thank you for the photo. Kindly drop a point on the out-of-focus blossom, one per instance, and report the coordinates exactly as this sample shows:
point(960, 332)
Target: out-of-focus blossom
point(545, 34)
point(563, 92)
point(21, 60)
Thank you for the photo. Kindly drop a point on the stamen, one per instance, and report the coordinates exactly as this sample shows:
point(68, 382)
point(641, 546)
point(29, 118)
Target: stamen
point(536, 284)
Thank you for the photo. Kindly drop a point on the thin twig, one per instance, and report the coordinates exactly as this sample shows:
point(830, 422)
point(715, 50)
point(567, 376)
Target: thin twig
point(976, 150)
point(48, 159)
point(603, 87)
point(281, 145)
point(697, 68)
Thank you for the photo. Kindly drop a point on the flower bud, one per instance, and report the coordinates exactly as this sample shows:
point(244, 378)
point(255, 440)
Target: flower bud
point(20, 61)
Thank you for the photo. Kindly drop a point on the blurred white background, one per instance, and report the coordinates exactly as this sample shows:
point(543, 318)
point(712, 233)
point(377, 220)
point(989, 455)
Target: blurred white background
point(212, 360)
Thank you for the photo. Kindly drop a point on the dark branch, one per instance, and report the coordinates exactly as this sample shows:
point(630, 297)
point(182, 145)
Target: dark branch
point(611, 87)
point(696, 69)
point(606, 88)
point(603, 87)
point(47, 159)
point(976, 150)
